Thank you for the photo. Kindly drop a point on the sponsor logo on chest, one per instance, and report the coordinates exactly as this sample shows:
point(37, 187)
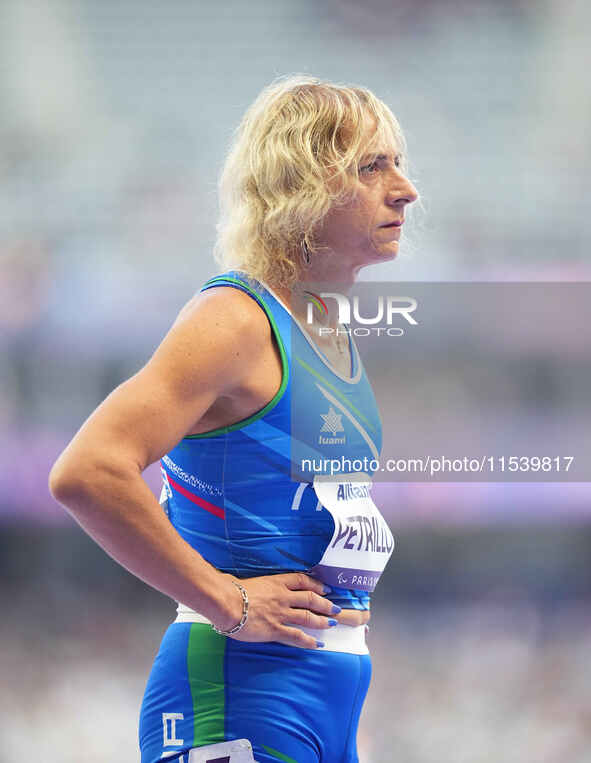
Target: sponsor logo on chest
point(332, 424)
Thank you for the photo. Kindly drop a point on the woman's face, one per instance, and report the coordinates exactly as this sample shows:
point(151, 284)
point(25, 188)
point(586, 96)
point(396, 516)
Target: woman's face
point(367, 229)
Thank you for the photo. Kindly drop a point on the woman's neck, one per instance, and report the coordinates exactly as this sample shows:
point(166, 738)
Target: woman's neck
point(306, 297)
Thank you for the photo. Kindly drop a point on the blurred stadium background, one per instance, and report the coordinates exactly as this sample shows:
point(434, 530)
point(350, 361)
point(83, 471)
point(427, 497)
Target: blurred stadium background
point(113, 125)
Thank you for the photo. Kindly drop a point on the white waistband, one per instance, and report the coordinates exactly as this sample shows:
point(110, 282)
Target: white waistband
point(338, 638)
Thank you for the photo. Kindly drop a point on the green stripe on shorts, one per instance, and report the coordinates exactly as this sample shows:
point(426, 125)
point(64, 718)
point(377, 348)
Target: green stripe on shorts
point(279, 755)
point(205, 668)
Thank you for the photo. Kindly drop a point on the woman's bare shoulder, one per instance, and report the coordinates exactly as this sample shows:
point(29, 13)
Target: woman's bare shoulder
point(228, 308)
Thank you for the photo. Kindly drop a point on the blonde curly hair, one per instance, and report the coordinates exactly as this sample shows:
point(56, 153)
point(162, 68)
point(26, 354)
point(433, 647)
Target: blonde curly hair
point(293, 157)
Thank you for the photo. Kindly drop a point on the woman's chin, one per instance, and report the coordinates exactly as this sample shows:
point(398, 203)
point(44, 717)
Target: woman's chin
point(385, 253)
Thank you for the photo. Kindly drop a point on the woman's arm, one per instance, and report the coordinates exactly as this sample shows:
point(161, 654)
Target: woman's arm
point(216, 343)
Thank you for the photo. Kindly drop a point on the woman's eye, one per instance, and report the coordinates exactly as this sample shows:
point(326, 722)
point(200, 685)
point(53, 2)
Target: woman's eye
point(369, 168)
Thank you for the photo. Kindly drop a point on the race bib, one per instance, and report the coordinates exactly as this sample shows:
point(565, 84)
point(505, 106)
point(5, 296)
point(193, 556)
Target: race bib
point(361, 544)
point(235, 751)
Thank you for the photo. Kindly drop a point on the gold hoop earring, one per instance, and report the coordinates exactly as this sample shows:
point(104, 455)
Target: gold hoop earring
point(305, 251)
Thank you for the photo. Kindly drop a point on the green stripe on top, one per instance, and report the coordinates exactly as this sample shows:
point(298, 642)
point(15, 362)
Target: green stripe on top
point(337, 392)
point(284, 364)
point(279, 755)
point(205, 668)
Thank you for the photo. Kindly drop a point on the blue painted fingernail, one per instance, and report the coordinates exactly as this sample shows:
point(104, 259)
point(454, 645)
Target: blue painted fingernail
point(327, 589)
point(320, 644)
point(335, 609)
point(332, 622)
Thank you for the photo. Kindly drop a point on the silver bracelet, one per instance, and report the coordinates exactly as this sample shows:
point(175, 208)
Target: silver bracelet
point(242, 622)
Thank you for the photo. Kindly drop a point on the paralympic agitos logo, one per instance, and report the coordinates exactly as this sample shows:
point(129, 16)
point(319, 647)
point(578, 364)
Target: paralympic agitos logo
point(387, 309)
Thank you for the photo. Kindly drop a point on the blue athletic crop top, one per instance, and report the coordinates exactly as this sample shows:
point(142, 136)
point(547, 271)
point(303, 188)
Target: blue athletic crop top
point(253, 498)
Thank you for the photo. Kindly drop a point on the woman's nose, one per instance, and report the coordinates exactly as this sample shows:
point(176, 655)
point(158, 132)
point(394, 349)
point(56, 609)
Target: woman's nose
point(402, 192)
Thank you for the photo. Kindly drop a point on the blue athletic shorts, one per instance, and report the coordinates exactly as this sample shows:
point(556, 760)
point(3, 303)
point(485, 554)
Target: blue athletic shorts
point(293, 705)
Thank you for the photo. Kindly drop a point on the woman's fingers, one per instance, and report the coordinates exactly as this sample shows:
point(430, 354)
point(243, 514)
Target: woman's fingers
point(309, 619)
point(296, 637)
point(311, 601)
point(300, 581)
point(309, 594)
point(352, 617)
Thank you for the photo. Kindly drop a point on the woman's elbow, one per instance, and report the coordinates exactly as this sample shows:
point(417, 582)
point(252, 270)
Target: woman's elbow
point(76, 477)
point(64, 481)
